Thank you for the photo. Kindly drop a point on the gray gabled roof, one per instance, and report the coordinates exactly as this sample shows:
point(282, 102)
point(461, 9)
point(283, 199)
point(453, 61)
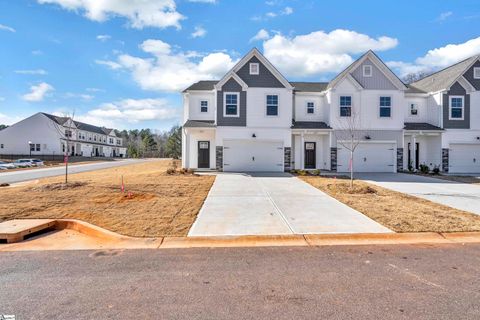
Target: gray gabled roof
point(202, 85)
point(199, 124)
point(419, 126)
point(78, 124)
point(413, 89)
point(309, 86)
point(444, 78)
point(309, 125)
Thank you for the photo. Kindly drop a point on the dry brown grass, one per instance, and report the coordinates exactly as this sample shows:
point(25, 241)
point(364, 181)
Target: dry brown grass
point(395, 210)
point(155, 204)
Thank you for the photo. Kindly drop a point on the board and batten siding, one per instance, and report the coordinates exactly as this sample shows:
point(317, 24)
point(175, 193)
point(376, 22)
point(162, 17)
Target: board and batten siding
point(469, 76)
point(241, 121)
point(264, 79)
point(378, 81)
point(456, 90)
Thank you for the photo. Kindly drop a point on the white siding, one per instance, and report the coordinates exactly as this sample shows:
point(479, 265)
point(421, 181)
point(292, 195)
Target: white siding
point(321, 108)
point(256, 108)
point(194, 100)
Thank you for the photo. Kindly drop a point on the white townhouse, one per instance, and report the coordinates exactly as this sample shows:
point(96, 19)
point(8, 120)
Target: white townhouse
point(253, 119)
point(43, 135)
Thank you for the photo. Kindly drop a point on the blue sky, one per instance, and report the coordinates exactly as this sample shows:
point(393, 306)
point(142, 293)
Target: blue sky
point(122, 63)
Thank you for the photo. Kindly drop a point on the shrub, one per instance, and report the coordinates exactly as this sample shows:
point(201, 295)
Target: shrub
point(191, 171)
point(170, 171)
point(293, 171)
point(315, 172)
point(436, 170)
point(302, 172)
point(424, 169)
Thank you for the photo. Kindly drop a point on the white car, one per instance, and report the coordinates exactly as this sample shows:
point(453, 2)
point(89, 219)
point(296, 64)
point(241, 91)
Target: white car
point(22, 163)
point(5, 165)
point(36, 162)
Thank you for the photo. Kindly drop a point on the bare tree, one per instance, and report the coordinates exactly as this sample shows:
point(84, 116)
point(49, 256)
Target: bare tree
point(349, 137)
point(415, 76)
point(65, 127)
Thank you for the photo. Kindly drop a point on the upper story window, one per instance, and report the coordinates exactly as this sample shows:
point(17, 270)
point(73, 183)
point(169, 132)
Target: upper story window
point(254, 68)
point(310, 107)
point(231, 105)
point(272, 105)
point(204, 106)
point(385, 107)
point(95, 138)
point(367, 70)
point(37, 147)
point(413, 109)
point(111, 140)
point(345, 106)
point(456, 108)
point(1, 146)
point(476, 73)
point(68, 133)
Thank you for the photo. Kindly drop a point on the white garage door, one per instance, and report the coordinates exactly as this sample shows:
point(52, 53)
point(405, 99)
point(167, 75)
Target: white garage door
point(464, 158)
point(368, 157)
point(247, 155)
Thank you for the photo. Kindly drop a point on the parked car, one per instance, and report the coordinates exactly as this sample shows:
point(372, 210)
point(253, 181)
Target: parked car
point(22, 163)
point(36, 162)
point(5, 165)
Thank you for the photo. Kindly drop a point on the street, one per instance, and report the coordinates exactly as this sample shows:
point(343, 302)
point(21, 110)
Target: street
point(349, 282)
point(33, 174)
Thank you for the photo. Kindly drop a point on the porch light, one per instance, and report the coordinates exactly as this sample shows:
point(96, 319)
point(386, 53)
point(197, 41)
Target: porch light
point(254, 135)
point(367, 137)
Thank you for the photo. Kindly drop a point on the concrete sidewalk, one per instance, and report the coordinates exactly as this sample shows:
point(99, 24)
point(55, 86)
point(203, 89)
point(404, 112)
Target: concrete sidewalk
point(279, 204)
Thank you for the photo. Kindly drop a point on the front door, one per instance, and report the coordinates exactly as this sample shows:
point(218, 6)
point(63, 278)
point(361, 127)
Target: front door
point(417, 153)
point(310, 150)
point(203, 154)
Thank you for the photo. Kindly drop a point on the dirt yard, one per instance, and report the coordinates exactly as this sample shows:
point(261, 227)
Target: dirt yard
point(395, 210)
point(154, 204)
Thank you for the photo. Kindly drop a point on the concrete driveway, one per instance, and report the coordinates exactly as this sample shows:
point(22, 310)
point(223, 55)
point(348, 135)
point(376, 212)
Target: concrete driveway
point(457, 195)
point(262, 204)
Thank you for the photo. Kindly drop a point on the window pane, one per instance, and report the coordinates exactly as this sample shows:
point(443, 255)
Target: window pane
point(345, 101)
point(231, 99)
point(457, 112)
point(231, 109)
point(385, 101)
point(385, 112)
point(345, 111)
point(272, 110)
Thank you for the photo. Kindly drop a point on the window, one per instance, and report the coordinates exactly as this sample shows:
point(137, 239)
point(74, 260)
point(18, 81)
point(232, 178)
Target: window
point(345, 106)
point(111, 140)
point(231, 105)
point(68, 133)
point(367, 70)
point(310, 107)
point(119, 141)
point(1, 146)
point(456, 108)
point(272, 105)
point(94, 138)
point(385, 107)
point(203, 106)
point(413, 109)
point(32, 147)
point(254, 68)
point(476, 73)
point(37, 147)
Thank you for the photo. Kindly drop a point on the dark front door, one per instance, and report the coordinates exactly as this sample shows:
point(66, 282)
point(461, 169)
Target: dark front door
point(203, 154)
point(310, 151)
point(417, 153)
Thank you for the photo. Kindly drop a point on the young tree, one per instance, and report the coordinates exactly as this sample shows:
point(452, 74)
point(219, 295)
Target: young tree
point(349, 137)
point(65, 127)
point(173, 147)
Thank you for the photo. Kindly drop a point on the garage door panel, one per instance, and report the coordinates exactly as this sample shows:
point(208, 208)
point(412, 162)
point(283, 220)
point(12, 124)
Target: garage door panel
point(247, 155)
point(464, 158)
point(368, 157)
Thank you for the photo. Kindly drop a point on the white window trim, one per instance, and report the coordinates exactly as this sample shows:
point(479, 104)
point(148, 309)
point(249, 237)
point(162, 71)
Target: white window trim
point(278, 105)
point(369, 75)
point(340, 106)
point(314, 107)
point(225, 105)
point(208, 105)
point(410, 109)
point(258, 68)
point(476, 73)
point(450, 108)
point(391, 107)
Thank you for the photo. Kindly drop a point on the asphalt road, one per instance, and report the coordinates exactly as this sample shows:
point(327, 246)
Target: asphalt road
point(362, 282)
point(33, 174)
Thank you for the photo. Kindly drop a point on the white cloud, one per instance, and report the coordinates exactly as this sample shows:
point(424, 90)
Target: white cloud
point(270, 15)
point(317, 52)
point(169, 70)
point(94, 90)
point(135, 110)
point(103, 37)
point(83, 96)
point(8, 120)
point(6, 28)
point(37, 52)
point(111, 64)
point(444, 16)
point(438, 58)
point(139, 13)
point(287, 11)
point(199, 32)
point(262, 34)
point(32, 72)
point(38, 92)
point(203, 1)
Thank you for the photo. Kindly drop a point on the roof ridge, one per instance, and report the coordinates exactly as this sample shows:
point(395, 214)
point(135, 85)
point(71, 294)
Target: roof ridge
point(448, 67)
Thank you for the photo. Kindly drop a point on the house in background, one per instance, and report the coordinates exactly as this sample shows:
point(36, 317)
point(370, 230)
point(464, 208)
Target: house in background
point(44, 134)
point(253, 119)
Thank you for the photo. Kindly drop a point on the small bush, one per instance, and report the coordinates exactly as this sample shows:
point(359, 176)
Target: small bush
point(170, 171)
point(293, 171)
point(302, 172)
point(436, 170)
point(191, 171)
point(424, 169)
point(315, 172)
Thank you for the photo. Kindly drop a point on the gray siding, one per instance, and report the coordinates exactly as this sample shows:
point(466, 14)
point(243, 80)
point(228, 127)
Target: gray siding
point(232, 86)
point(456, 90)
point(469, 76)
point(265, 79)
point(378, 81)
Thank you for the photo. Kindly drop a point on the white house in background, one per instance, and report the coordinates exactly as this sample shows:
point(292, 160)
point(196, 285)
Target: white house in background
point(253, 119)
point(47, 135)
